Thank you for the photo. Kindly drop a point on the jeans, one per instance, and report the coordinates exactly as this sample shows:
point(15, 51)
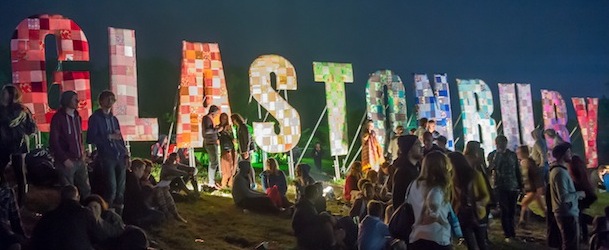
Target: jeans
point(78, 176)
point(475, 237)
point(112, 173)
point(214, 154)
point(569, 231)
point(507, 204)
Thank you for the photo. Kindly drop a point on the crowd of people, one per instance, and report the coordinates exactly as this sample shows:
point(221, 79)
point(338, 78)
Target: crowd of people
point(419, 195)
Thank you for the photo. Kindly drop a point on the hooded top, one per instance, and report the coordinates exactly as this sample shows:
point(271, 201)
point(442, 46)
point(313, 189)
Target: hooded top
point(405, 172)
point(540, 148)
point(66, 132)
point(241, 185)
point(101, 125)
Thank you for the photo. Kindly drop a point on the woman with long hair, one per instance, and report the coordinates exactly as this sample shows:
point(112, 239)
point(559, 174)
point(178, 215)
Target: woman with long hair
point(274, 183)
point(302, 180)
point(372, 151)
point(429, 196)
point(352, 179)
point(581, 181)
point(228, 156)
point(533, 183)
point(470, 197)
point(112, 225)
point(16, 124)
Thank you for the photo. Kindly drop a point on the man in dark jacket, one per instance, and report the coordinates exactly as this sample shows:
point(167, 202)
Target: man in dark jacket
point(69, 226)
point(507, 180)
point(105, 133)
point(66, 143)
point(407, 167)
point(211, 144)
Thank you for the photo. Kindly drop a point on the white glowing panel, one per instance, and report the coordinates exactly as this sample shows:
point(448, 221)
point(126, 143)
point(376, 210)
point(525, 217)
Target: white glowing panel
point(262, 91)
point(477, 122)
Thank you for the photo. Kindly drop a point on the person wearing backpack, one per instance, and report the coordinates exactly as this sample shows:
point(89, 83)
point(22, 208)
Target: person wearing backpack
point(469, 199)
point(373, 234)
point(16, 124)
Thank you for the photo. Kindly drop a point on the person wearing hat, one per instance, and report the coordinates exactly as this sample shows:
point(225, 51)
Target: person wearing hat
point(211, 143)
point(66, 143)
point(564, 197)
point(407, 166)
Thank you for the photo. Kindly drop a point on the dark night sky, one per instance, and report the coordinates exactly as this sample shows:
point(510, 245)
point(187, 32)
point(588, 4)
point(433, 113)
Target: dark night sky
point(561, 45)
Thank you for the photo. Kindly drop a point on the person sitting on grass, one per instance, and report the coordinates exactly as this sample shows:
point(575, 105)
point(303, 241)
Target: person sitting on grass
point(303, 179)
point(136, 211)
point(320, 201)
point(179, 175)
point(352, 179)
point(111, 223)
point(373, 233)
point(275, 184)
point(158, 195)
point(70, 226)
point(312, 229)
point(358, 210)
point(247, 198)
point(11, 231)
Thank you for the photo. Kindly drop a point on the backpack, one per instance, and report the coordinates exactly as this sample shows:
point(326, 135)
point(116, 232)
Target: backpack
point(40, 168)
point(400, 224)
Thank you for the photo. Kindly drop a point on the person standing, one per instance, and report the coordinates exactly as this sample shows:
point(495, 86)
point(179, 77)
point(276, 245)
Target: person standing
point(428, 145)
point(16, 124)
point(407, 167)
point(372, 152)
point(105, 133)
point(66, 143)
point(228, 157)
point(431, 128)
point(533, 183)
point(318, 154)
point(422, 128)
point(393, 149)
point(211, 143)
point(539, 152)
point(246, 145)
point(564, 197)
point(508, 182)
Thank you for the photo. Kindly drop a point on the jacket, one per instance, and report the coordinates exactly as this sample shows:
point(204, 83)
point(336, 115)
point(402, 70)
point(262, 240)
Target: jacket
point(16, 123)
point(65, 139)
point(372, 234)
point(245, 139)
point(505, 169)
point(562, 191)
point(269, 180)
point(100, 126)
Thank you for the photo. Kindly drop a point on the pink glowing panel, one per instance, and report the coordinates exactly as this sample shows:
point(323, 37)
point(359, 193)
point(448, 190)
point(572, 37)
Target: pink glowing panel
point(29, 65)
point(525, 113)
point(191, 111)
point(477, 122)
point(287, 117)
point(335, 75)
point(509, 114)
point(587, 117)
point(554, 115)
point(123, 82)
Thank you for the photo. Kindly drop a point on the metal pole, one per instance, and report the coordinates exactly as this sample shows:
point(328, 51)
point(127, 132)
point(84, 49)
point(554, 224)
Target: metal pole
point(291, 157)
point(336, 168)
point(126, 145)
point(356, 136)
point(572, 131)
point(312, 133)
point(458, 120)
point(173, 115)
point(354, 157)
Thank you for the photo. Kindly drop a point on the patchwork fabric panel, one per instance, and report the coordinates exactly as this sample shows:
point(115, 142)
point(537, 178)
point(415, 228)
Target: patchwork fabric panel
point(190, 111)
point(214, 87)
point(29, 65)
point(554, 115)
point(385, 106)
point(434, 103)
point(287, 117)
point(123, 83)
point(335, 75)
point(477, 122)
point(509, 114)
point(587, 117)
point(525, 112)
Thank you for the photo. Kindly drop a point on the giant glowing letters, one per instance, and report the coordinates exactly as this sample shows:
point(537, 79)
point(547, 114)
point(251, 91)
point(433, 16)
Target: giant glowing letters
point(29, 65)
point(435, 104)
point(287, 117)
point(554, 114)
point(123, 82)
point(191, 109)
point(587, 115)
point(335, 75)
point(376, 103)
point(514, 108)
point(477, 106)
point(215, 89)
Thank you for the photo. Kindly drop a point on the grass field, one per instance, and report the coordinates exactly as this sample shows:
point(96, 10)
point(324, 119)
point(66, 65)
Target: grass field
point(215, 223)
